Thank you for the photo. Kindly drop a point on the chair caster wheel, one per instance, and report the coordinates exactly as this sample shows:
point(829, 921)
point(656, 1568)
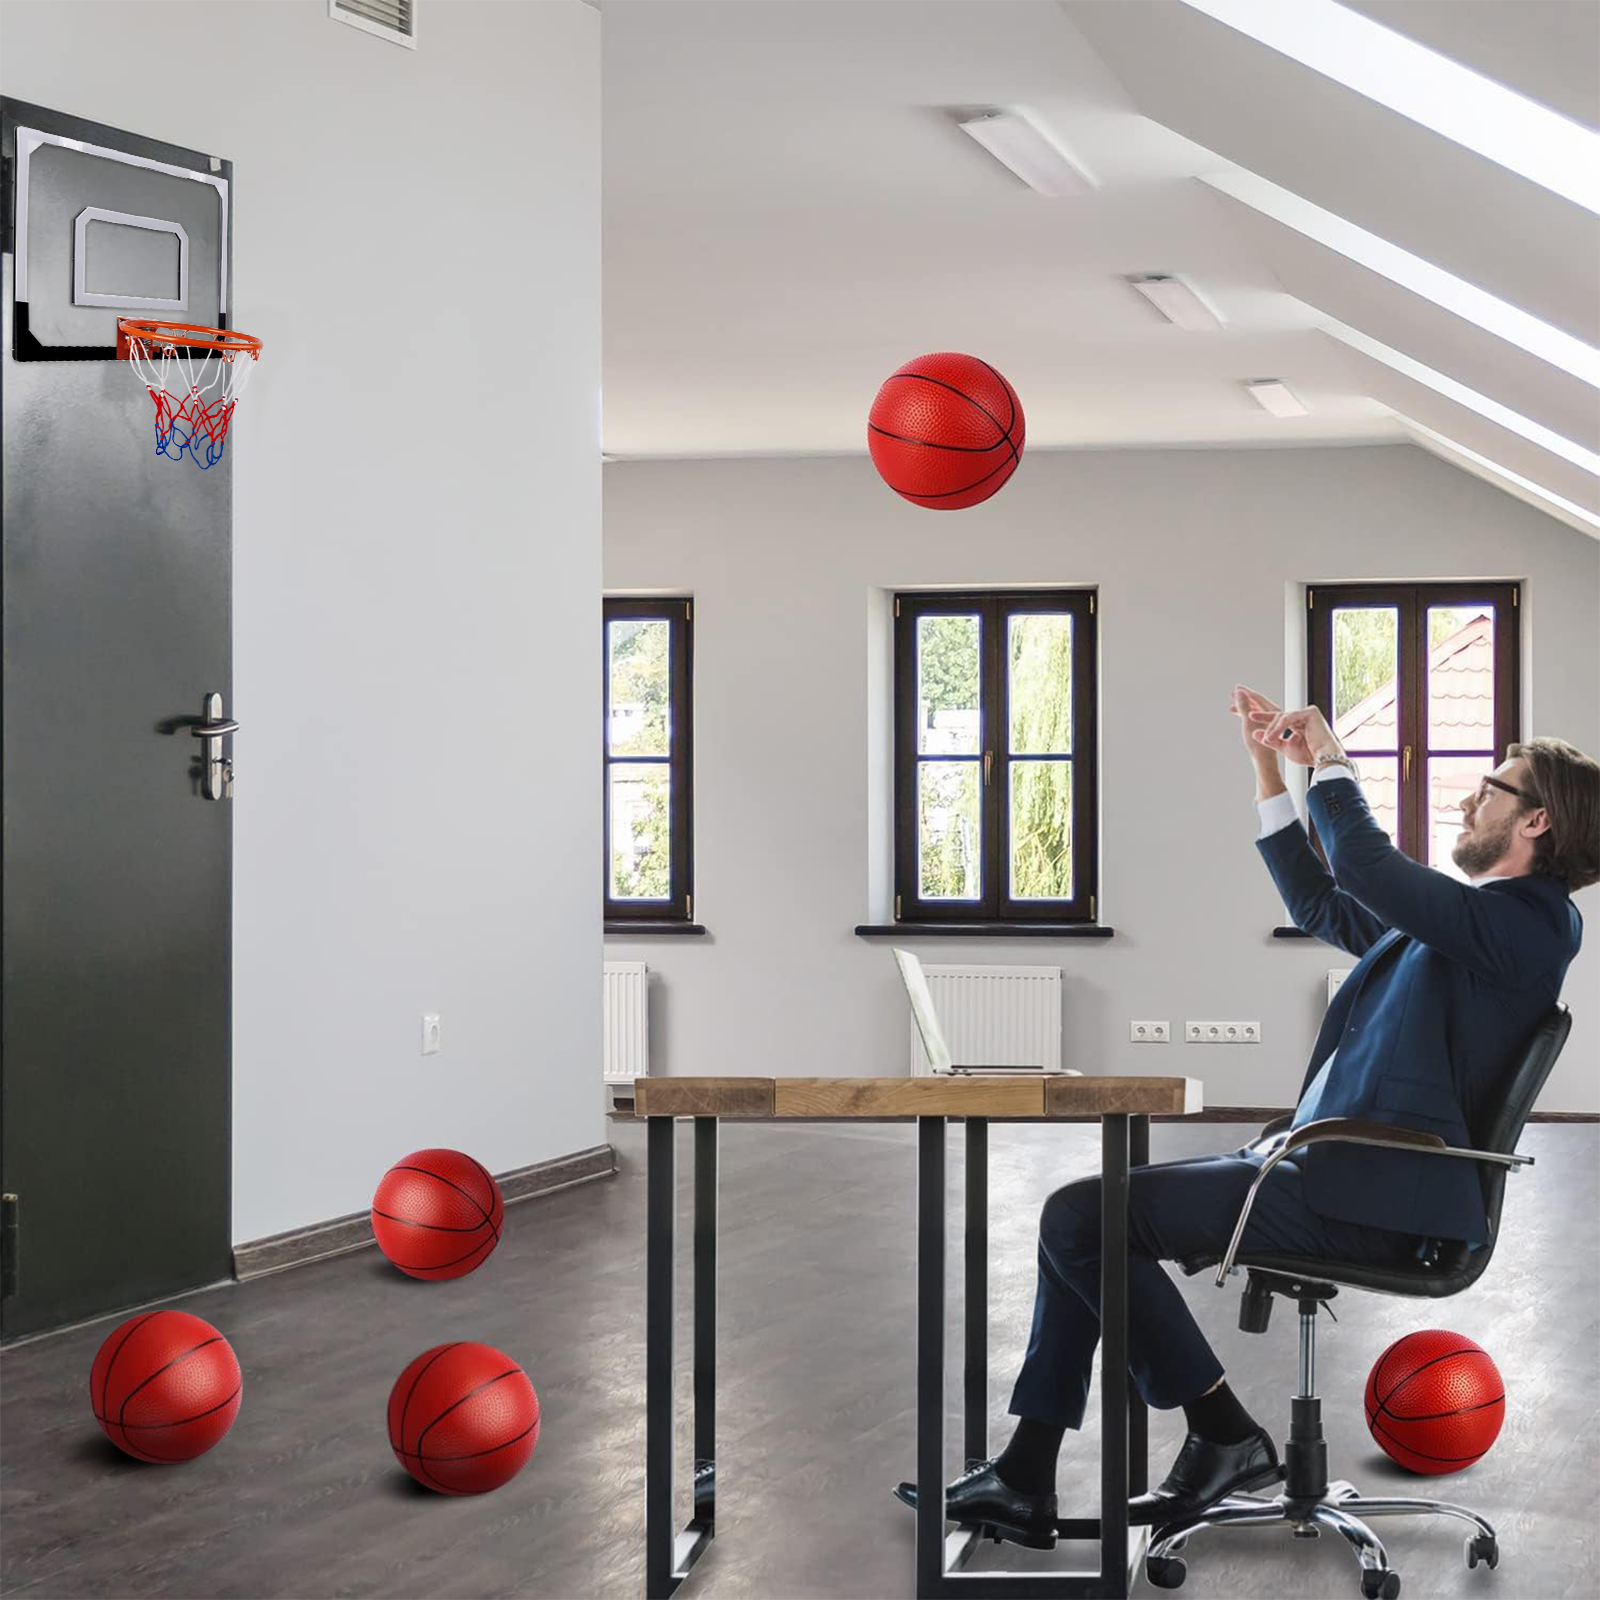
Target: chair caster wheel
point(1380, 1585)
point(1165, 1572)
point(1483, 1547)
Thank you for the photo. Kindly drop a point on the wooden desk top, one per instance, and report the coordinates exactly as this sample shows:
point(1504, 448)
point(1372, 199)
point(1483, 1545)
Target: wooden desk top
point(1029, 1098)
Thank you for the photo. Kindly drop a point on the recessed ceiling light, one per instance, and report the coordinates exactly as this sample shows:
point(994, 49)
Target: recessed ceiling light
point(1273, 395)
point(1015, 140)
point(1176, 300)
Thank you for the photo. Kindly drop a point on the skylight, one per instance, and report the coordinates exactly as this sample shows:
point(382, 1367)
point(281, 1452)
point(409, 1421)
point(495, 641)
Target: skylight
point(1534, 432)
point(1476, 305)
point(1516, 133)
point(1527, 485)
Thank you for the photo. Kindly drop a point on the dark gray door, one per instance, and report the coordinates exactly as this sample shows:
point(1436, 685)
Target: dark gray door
point(115, 1078)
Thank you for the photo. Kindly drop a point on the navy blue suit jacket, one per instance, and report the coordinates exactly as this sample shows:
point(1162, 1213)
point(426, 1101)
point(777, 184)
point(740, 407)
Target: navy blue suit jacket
point(1451, 982)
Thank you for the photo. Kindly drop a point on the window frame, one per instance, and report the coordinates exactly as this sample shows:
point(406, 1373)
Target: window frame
point(1412, 602)
point(996, 607)
point(678, 612)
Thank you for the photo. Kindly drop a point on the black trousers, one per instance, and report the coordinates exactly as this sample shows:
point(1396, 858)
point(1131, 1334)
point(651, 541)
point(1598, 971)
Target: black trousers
point(1175, 1209)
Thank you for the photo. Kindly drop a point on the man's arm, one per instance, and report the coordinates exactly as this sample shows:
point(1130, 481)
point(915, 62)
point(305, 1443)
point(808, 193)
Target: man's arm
point(1315, 903)
point(1504, 938)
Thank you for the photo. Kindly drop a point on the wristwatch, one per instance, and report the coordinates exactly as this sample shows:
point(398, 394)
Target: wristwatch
point(1340, 760)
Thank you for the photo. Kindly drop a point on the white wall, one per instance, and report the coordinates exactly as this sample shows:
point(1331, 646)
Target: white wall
point(1193, 552)
point(417, 562)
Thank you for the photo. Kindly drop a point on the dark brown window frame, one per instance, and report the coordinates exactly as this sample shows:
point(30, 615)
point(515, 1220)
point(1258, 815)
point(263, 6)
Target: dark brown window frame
point(997, 907)
point(678, 611)
point(1412, 602)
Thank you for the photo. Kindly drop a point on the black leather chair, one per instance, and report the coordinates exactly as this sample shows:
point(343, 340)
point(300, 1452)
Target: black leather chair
point(1308, 1502)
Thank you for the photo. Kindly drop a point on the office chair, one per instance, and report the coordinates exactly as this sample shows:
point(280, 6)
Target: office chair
point(1309, 1503)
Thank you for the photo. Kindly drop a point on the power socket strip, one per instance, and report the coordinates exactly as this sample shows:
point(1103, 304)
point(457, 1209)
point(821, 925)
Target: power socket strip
point(1222, 1033)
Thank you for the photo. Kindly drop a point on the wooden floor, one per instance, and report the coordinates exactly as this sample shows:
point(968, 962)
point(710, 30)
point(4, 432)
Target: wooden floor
point(817, 1390)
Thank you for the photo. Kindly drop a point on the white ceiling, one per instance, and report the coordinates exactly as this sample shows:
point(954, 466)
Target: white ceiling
point(790, 213)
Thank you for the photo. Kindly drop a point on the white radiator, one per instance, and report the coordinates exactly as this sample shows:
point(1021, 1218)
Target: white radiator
point(625, 1033)
point(995, 1017)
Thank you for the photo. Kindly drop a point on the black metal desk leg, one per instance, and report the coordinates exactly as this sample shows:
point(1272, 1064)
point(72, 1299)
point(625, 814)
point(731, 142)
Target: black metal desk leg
point(670, 1554)
point(660, 1580)
point(705, 1324)
point(975, 1427)
point(1138, 1415)
point(1114, 1352)
point(930, 1355)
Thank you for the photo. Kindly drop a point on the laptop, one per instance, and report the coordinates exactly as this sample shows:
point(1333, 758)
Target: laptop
point(933, 1040)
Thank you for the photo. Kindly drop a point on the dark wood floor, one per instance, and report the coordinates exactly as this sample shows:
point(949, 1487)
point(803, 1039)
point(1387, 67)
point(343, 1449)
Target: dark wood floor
point(817, 1393)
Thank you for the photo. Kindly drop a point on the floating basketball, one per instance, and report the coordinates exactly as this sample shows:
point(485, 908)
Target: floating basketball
point(165, 1386)
point(463, 1419)
point(437, 1214)
point(1435, 1401)
point(945, 431)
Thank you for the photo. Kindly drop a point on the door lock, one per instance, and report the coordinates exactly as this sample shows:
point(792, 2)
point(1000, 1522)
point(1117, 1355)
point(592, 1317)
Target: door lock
point(218, 777)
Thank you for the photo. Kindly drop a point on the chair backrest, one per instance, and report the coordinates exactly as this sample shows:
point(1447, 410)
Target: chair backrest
point(1503, 1123)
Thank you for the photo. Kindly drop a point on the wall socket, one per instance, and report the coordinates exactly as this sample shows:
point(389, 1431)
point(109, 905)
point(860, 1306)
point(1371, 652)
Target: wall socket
point(1222, 1033)
point(430, 1033)
point(1148, 1032)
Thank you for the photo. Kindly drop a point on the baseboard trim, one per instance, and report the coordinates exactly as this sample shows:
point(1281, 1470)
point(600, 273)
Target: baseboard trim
point(301, 1246)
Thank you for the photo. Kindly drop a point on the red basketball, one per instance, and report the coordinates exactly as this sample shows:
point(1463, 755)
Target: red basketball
point(463, 1419)
point(437, 1214)
point(946, 431)
point(1435, 1401)
point(165, 1386)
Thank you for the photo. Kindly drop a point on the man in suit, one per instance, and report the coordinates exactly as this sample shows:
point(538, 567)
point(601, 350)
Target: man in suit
point(1453, 977)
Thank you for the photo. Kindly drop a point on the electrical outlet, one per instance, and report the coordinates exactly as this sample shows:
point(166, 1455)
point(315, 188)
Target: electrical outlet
point(430, 1033)
point(1147, 1032)
point(1222, 1033)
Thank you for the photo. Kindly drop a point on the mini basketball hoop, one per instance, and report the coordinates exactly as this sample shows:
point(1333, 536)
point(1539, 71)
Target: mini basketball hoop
point(193, 406)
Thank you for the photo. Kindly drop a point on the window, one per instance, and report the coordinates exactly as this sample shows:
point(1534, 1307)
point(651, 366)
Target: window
point(649, 870)
point(995, 757)
point(1420, 684)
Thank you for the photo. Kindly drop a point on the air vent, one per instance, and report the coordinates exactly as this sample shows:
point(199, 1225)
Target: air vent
point(388, 19)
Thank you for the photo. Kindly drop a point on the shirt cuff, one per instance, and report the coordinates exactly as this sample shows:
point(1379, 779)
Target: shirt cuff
point(1334, 769)
point(1277, 812)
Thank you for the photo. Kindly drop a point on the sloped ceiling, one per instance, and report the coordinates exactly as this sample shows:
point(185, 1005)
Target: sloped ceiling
point(790, 213)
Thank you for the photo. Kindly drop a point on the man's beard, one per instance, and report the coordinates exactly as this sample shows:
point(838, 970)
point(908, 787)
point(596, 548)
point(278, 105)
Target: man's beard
point(1476, 852)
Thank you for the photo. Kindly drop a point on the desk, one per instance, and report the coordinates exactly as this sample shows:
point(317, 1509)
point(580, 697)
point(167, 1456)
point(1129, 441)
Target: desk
point(1122, 1106)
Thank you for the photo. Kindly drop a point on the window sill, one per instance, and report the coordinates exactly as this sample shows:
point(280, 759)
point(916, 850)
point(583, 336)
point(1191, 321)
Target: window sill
point(986, 930)
point(652, 930)
point(1292, 933)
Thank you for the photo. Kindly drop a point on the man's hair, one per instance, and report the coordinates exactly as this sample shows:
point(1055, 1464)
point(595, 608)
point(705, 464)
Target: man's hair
point(1567, 783)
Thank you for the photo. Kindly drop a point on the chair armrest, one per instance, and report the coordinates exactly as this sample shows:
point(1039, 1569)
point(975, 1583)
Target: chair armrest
point(1273, 1126)
point(1354, 1130)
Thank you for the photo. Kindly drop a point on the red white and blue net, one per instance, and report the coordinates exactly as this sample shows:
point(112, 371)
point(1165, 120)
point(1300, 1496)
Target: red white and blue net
point(196, 376)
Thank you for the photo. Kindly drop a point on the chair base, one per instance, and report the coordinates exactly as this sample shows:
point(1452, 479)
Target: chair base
point(1340, 1509)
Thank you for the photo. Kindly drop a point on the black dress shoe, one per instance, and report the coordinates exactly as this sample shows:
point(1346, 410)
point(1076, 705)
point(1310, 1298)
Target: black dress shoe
point(1204, 1473)
point(981, 1497)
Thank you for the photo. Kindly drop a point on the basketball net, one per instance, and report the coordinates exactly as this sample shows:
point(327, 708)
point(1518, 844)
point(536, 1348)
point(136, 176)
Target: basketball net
point(194, 382)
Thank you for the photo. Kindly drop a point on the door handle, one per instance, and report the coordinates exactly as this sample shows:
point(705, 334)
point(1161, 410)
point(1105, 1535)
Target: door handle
point(218, 782)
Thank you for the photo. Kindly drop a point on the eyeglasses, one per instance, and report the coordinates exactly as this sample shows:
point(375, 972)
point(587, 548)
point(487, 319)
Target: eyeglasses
point(1482, 794)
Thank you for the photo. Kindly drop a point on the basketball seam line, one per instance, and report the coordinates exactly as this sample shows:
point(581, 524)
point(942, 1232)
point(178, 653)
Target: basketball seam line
point(439, 1266)
point(1411, 1450)
point(932, 444)
point(976, 404)
point(472, 1455)
point(950, 494)
point(105, 1384)
point(126, 1426)
point(122, 1410)
point(1475, 1350)
point(432, 1227)
point(1434, 1416)
point(488, 1383)
point(440, 1177)
point(405, 1405)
